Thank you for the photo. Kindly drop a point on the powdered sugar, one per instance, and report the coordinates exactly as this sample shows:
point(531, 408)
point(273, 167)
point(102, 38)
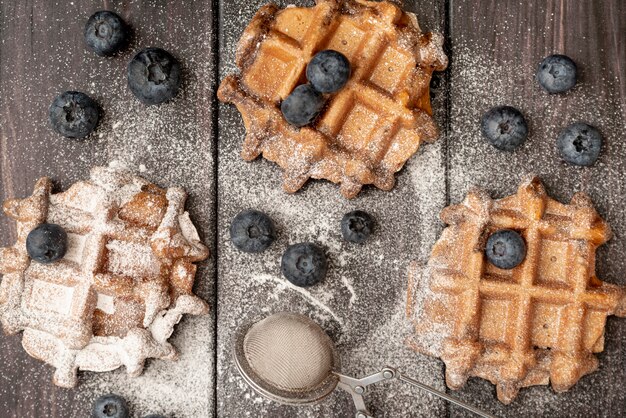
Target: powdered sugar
point(120, 255)
point(365, 286)
point(317, 301)
point(170, 144)
point(173, 146)
point(130, 258)
point(55, 297)
point(486, 75)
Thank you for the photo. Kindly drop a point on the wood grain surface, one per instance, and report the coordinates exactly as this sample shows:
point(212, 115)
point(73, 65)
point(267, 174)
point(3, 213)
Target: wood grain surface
point(361, 301)
point(42, 53)
point(494, 47)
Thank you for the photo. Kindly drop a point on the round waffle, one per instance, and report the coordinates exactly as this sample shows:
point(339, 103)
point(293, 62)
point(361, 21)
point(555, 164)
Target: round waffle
point(538, 323)
point(372, 126)
point(123, 284)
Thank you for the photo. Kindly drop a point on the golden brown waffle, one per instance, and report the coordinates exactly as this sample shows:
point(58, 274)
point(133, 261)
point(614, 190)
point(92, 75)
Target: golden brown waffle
point(371, 127)
point(536, 324)
point(123, 284)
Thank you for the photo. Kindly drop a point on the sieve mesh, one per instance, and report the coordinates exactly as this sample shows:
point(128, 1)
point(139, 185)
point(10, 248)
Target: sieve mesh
point(290, 352)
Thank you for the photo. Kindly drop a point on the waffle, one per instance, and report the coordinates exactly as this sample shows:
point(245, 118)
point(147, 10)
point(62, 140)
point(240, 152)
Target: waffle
point(123, 284)
point(536, 324)
point(371, 127)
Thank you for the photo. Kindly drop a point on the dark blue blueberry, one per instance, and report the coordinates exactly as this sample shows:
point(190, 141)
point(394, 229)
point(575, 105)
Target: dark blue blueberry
point(302, 106)
point(328, 71)
point(356, 226)
point(504, 127)
point(304, 264)
point(110, 406)
point(47, 243)
point(154, 76)
point(74, 114)
point(556, 73)
point(579, 144)
point(105, 33)
point(252, 231)
point(505, 249)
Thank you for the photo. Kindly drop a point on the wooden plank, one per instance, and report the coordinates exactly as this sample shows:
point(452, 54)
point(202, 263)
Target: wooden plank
point(42, 53)
point(496, 48)
point(361, 302)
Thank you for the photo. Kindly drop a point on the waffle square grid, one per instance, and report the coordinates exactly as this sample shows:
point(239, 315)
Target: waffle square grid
point(538, 323)
point(123, 284)
point(369, 128)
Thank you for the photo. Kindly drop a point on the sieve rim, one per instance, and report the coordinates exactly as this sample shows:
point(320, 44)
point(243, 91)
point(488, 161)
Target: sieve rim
point(269, 391)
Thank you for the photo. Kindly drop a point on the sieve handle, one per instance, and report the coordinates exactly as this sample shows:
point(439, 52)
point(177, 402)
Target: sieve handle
point(357, 388)
point(442, 395)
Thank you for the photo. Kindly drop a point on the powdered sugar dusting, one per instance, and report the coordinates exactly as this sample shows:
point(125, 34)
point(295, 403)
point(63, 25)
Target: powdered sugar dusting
point(170, 144)
point(317, 301)
point(366, 284)
point(484, 76)
point(131, 258)
point(55, 297)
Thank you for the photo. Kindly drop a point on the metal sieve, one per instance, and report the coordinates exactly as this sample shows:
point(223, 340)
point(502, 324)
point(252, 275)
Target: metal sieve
point(288, 358)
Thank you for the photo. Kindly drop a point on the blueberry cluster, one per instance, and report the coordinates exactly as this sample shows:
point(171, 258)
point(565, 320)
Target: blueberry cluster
point(113, 406)
point(506, 129)
point(154, 77)
point(327, 72)
point(303, 264)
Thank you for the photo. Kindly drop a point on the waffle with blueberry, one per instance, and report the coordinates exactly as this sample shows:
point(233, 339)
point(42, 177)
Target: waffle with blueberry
point(338, 91)
point(510, 292)
point(99, 274)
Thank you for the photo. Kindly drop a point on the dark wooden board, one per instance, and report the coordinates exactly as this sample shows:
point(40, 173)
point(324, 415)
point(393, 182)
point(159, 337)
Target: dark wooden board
point(495, 46)
point(370, 328)
point(42, 53)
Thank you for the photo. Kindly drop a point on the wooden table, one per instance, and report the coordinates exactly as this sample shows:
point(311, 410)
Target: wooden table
point(494, 47)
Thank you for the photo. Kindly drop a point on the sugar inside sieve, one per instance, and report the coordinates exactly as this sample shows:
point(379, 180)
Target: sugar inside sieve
point(288, 358)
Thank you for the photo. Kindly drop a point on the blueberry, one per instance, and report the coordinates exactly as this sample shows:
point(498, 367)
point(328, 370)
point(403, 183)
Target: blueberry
point(252, 231)
point(579, 144)
point(110, 406)
point(505, 249)
point(556, 73)
point(105, 33)
point(302, 106)
point(154, 76)
point(73, 114)
point(504, 127)
point(356, 226)
point(304, 264)
point(47, 243)
point(328, 71)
